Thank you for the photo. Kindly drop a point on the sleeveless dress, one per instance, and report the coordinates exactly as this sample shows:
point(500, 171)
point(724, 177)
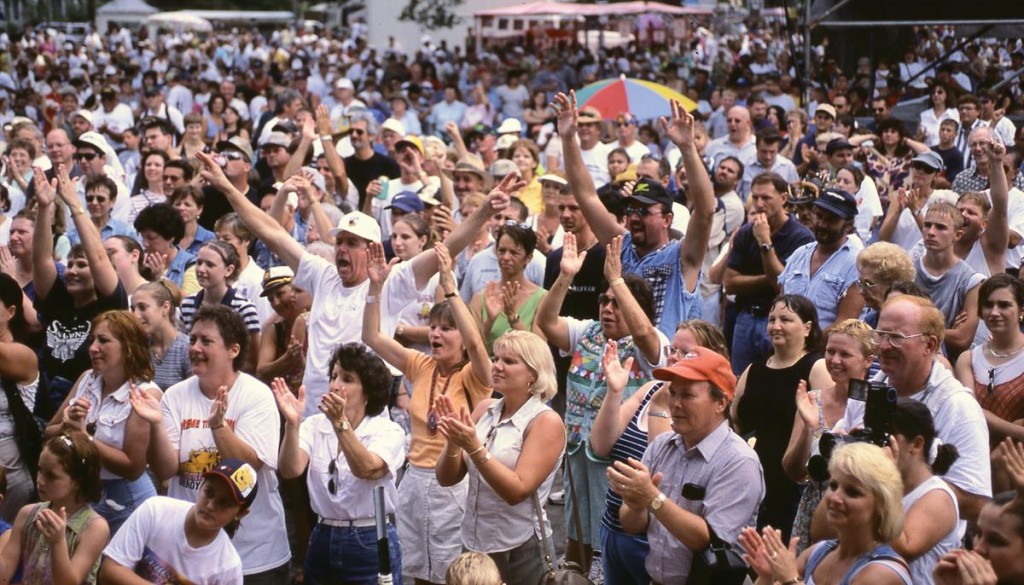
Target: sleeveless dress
point(881, 554)
point(767, 408)
point(999, 389)
point(35, 549)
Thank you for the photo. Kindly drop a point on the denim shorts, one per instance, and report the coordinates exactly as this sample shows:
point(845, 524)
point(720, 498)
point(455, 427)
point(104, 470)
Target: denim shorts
point(349, 555)
point(120, 497)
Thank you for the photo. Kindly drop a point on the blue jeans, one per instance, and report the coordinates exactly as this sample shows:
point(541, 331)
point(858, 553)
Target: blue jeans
point(623, 557)
point(349, 555)
point(120, 497)
point(749, 341)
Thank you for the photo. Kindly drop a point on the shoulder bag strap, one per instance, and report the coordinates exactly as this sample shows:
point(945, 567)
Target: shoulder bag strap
point(543, 535)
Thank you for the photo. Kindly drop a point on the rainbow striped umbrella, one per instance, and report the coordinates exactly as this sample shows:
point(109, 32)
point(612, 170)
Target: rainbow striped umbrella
point(644, 99)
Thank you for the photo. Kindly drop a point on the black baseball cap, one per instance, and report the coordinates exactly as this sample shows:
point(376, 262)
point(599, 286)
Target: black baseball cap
point(649, 192)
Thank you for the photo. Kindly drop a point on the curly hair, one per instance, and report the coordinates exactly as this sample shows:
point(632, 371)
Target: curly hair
point(524, 236)
point(123, 325)
point(890, 263)
point(375, 377)
point(163, 219)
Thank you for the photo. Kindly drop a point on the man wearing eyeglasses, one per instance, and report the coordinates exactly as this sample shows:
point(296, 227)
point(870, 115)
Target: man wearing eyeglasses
point(625, 133)
point(974, 177)
point(671, 267)
point(91, 154)
point(592, 150)
point(909, 335)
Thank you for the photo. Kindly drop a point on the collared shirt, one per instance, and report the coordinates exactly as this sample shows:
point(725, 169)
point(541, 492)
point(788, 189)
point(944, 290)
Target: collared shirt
point(722, 147)
point(183, 260)
point(730, 473)
point(110, 413)
point(661, 268)
point(113, 228)
point(353, 497)
point(970, 179)
point(782, 167)
point(826, 287)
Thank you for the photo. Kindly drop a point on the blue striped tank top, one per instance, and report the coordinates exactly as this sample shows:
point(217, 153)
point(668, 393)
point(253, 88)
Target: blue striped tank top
point(632, 443)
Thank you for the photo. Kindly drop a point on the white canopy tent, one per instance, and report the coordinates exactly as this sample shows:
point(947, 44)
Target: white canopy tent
point(124, 12)
point(179, 21)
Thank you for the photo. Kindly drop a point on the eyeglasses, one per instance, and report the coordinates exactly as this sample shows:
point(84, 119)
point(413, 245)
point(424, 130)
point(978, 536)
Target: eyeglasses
point(607, 299)
point(641, 211)
point(231, 155)
point(671, 351)
point(86, 156)
point(332, 484)
point(358, 131)
point(866, 284)
point(95, 199)
point(895, 338)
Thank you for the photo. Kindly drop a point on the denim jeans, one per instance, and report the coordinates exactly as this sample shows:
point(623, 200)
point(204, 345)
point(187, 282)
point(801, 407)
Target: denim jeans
point(349, 555)
point(120, 497)
point(749, 341)
point(623, 556)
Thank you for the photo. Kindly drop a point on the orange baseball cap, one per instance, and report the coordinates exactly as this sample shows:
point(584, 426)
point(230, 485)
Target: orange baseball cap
point(701, 364)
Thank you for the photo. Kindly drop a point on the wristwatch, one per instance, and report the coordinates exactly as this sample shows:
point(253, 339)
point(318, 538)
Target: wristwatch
point(656, 503)
point(345, 425)
point(513, 318)
point(766, 247)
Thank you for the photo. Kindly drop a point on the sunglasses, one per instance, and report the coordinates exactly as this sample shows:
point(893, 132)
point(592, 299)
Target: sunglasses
point(358, 132)
point(86, 156)
point(231, 155)
point(332, 485)
point(641, 211)
point(607, 299)
point(95, 199)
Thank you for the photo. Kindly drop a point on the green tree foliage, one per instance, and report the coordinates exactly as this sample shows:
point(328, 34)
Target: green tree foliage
point(432, 14)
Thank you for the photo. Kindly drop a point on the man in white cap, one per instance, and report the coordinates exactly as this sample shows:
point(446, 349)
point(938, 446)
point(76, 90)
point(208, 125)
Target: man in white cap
point(96, 158)
point(343, 98)
point(81, 122)
point(338, 291)
point(391, 131)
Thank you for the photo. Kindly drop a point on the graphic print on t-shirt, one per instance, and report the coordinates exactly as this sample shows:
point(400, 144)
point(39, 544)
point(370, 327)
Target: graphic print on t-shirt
point(155, 570)
point(200, 461)
point(66, 340)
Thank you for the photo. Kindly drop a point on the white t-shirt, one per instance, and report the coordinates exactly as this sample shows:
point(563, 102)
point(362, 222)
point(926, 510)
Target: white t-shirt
point(152, 543)
point(353, 498)
point(636, 151)
point(869, 206)
point(250, 286)
point(262, 541)
point(596, 161)
point(117, 120)
point(336, 317)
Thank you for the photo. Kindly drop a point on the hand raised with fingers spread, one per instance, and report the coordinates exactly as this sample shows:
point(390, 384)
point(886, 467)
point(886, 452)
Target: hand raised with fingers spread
point(615, 373)
point(309, 129)
point(46, 190)
point(145, 405)
point(290, 405)
point(566, 113)
point(756, 555)
point(323, 121)
point(1012, 457)
point(806, 406)
point(67, 187)
point(613, 260)
point(218, 409)
point(502, 192)
point(377, 266)
point(446, 278)
point(680, 130)
point(494, 300)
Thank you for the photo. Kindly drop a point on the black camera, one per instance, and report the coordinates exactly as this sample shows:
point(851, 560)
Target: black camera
point(879, 405)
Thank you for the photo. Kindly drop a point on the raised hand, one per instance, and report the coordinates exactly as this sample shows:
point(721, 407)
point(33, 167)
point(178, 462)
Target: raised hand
point(46, 191)
point(333, 406)
point(443, 219)
point(499, 196)
point(377, 266)
point(680, 129)
point(67, 187)
point(157, 263)
point(323, 121)
point(212, 173)
point(756, 555)
point(995, 152)
point(1012, 456)
point(781, 557)
point(7, 264)
point(290, 405)
point(309, 129)
point(218, 409)
point(566, 113)
point(806, 406)
point(572, 259)
point(615, 374)
point(493, 300)
point(446, 277)
point(613, 259)
point(145, 405)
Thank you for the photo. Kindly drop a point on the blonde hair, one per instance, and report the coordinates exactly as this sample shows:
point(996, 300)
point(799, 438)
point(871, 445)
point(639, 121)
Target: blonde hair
point(858, 330)
point(473, 568)
point(869, 465)
point(536, 354)
point(890, 262)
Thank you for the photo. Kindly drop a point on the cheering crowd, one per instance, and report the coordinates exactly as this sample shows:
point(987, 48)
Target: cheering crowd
point(247, 280)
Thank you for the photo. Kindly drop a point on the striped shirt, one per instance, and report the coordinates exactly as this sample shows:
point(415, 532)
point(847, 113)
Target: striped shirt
point(238, 303)
point(632, 443)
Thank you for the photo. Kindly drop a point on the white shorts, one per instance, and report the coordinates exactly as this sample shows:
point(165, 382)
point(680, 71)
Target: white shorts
point(429, 524)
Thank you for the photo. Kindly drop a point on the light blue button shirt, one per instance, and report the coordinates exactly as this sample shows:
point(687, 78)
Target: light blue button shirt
point(829, 284)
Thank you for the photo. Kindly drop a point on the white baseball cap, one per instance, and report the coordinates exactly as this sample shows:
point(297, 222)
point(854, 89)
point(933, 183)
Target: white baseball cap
point(358, 224)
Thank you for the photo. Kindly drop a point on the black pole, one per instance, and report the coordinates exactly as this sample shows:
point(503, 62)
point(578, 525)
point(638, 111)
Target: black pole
point(383, 552)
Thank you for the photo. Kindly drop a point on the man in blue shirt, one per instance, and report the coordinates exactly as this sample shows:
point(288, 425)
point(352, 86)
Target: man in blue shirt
point(825, 270)
point(672, 267)
point(100, 195)
point(759, 252)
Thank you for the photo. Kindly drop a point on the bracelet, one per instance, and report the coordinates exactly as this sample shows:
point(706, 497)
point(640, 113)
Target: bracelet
point(484, 459)
point(326, 138)
point(477, 450)
point(458, 453)
point(793, 581)
point(370, 299)
point(451, 295)
point(616, 282)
